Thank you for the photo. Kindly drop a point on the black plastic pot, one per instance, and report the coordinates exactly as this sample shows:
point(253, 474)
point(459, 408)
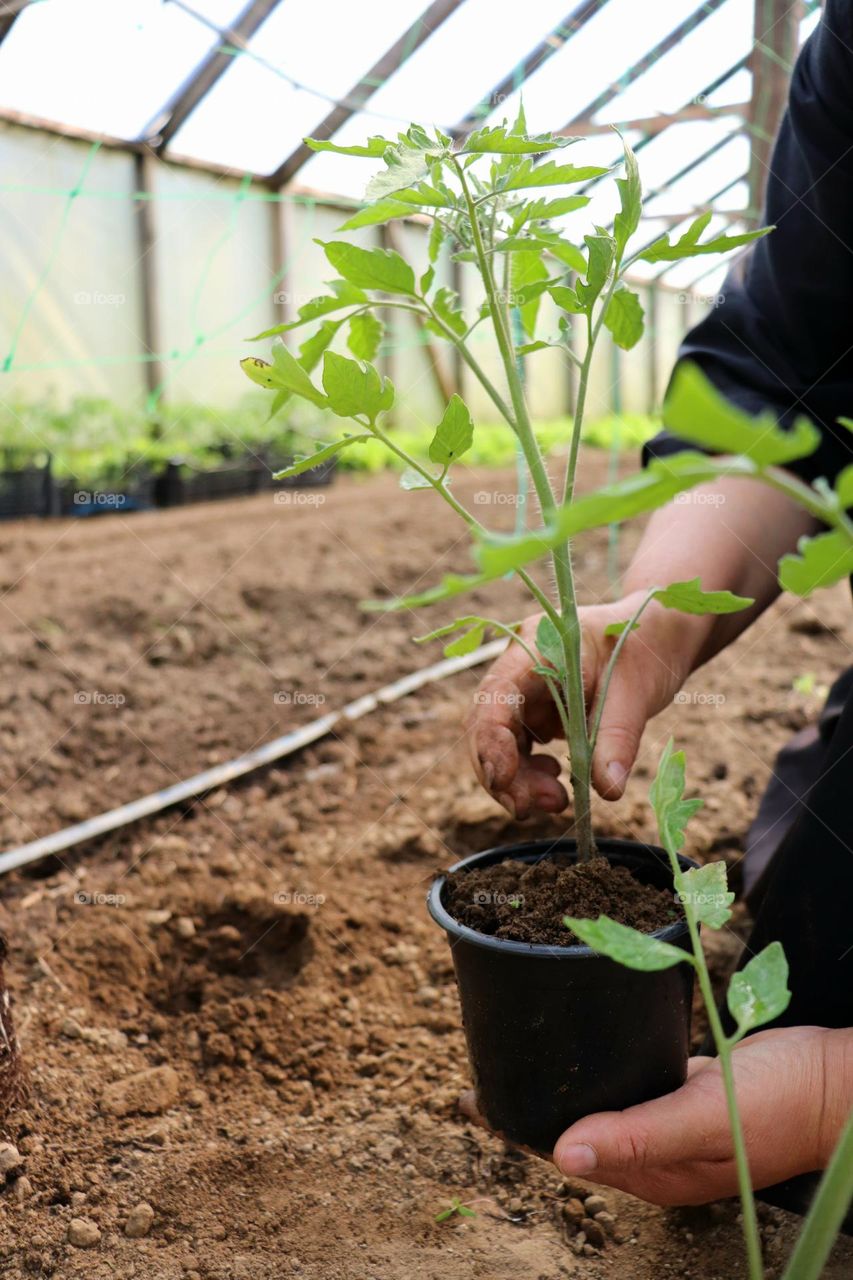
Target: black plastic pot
point(29, 491)
point(556, 1033)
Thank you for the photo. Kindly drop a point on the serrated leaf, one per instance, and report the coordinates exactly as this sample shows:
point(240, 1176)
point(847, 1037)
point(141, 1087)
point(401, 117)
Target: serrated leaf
point(354, 388)
point(528, 269)
point(566, 298)
point(542, 209)
point(705, 890)
point(451, 585)
point(820, 561)
point(550, 174)
point(311, 350)
point(284, 374)
point(758, 993)
point(373, 149)
point(844, 488)
point(688, 597)
point(694, 410)
point(626, 946)
point(436, 238)
point(666, 794)
point(404, 167)
point(617, 628)
point(550, 644)
point(370, 268)
point(343, 294)
point(447, 308)
point(473, 629)
point(315, 459)
point(624, 318)
point(375, 214)
point(365, 335)
point(454, 435)
point(631, 195)
point(600, 255)
point(426, 280)
point(499, 140)
point(688, 245)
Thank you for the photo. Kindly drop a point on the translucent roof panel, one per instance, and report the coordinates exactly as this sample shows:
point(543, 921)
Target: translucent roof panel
point(709, 175)
point(698, 59)
point(104, 66)
point(307, 55)
point(738, 88)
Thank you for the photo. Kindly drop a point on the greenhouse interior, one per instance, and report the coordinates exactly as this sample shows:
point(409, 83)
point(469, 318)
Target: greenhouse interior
point(518, 333)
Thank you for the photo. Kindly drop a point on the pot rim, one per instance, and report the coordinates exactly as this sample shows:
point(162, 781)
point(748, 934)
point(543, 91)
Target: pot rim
point(535, 851)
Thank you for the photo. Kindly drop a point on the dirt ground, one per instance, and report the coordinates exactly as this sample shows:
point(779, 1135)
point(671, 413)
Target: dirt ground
point(264, 953)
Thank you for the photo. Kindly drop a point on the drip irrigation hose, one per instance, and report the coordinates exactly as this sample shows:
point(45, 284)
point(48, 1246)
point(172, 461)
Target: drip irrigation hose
point(221, 774)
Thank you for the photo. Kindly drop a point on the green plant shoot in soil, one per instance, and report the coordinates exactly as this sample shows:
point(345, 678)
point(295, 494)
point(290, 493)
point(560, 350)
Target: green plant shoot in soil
point(481, 198)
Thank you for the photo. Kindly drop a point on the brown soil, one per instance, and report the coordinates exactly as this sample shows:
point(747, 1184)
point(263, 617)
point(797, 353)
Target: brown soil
point(527, 903)
point(239, 1013)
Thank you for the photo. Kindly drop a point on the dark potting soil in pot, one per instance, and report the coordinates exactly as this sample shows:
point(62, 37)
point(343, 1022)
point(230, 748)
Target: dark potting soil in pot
point(526, 903)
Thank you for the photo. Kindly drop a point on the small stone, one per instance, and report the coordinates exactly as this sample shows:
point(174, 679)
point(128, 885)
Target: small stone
point(146, 1092)
point(10, 1158)
point(184, 927)
point(594, 1233)
point(196, 1098)
point(516, 1205)
point(157, 917)
point(78, 1199)
point(595, 1204)
point(139, 1221)
point(83, 1233)
point(71, 1029)
point(573, 1211)
point(23, 1188)
point(588, 1251)
point(607, 1221)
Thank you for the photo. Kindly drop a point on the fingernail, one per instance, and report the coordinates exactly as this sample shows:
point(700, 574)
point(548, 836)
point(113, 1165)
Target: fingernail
point(617, 774)
point(507, 801)
point(489, 775)
point(577, 1159)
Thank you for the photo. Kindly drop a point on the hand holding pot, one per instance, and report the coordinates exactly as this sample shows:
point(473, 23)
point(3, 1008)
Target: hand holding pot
point(513, 709)
point(794, 1087)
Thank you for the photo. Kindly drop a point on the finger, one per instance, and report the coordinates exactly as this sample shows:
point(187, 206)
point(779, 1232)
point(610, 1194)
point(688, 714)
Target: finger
point(622, 724)
point(653, 1134)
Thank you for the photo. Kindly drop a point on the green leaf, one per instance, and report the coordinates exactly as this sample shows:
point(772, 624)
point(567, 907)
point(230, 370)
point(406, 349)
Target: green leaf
point(354, 388)
point(626, 946)
point(549, 174)
point(600, 252)
point(404, 166)
point(370, 268)
point(284, 374)
point(624, 318)
point(542, 209)
point(447, 308)
point(314, 459)
point(696, 411)
point(411, 480)
point(631, 194)
point(688, 597)
point(365, 335)
point(706, 890)
point(436, 238)
point(821, 561)
point(666, 794)
point(550, 644)
point(543, 239)
point(528, 269)
point(758, 993)
point(451, 585)
point(373, 149)
point(473, 628)
point(499, 140)
point(374, 214)
point(311, 350)
point(844, 488)
point(343, 294)
point(454, 435)
point(688, 245)
point(566, 298)
point(617, 628)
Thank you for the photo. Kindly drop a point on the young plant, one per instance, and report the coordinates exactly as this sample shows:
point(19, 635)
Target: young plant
point(757, 994)
point(455, 1208)
point(492, 201)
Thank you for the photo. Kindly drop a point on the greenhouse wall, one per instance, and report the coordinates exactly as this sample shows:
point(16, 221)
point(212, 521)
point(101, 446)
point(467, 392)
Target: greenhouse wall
point(72, 306)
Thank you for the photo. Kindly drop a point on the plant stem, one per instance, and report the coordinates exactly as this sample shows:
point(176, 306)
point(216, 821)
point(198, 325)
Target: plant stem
point(724, 1049)
point(826, 1214)
point(611, 665)
point(580, 758)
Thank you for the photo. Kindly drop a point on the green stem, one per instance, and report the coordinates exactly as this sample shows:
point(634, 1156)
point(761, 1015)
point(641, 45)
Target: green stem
point(826, 1214)
point(569, 626)
point(611, 666)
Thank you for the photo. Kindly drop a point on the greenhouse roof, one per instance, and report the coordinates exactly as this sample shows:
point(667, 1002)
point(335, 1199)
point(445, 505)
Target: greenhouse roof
point(237, 85)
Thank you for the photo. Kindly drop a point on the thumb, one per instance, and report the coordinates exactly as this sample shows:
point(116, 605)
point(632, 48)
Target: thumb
point(622, 723)
point(651, 1135)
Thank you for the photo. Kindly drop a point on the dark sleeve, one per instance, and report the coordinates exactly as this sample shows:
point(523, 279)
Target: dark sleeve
point(782, 336)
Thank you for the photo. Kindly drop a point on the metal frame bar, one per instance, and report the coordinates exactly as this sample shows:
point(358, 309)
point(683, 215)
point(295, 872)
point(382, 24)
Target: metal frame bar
point(776, 38)
point(146, 233)
point(213, 66)
point(653, 125)
point(394, 58)
point(537, 57)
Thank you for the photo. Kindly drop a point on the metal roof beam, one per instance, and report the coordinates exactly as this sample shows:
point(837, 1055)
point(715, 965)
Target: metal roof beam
point(167, 123)
point(537, 57)
point(411, 40)
point(653, 125)
point(10, 11)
